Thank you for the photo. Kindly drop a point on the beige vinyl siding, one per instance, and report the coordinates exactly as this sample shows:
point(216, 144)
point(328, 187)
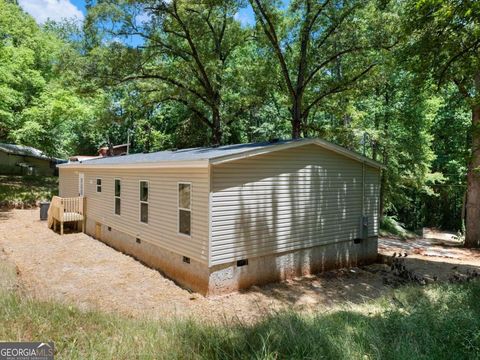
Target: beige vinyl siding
point(372, 199)
point(287, 200)
point(67, 182)
point(162, 227)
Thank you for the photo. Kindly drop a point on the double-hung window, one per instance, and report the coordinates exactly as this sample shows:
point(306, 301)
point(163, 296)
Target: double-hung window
point(144, 201)
point(184, 208)
point(118, 192)
point(99, 185)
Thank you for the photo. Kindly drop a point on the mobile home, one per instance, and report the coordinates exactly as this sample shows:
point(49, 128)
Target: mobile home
point(220, 219)
point(26, 160)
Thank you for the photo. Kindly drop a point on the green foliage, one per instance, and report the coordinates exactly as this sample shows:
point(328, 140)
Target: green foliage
point(26, 191)
point(390, 226)
point(195, 76)
point(36, 108)
point(442, 41)
point(435, 322)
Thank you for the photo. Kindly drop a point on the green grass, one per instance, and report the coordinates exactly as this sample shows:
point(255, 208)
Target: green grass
point(435, 322)
point(25, 191)
point(390, 226)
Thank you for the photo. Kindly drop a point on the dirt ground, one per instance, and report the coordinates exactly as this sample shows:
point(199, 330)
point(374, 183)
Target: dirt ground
point(77, 269)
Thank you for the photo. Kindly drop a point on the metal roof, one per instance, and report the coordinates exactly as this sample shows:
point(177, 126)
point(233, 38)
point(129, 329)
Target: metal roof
point(213, 154)
point(23, 150)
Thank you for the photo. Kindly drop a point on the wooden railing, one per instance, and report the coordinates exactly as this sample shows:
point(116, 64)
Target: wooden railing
point(64, 210)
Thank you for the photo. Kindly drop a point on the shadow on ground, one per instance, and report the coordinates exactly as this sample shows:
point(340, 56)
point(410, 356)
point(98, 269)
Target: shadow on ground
point(439, 322)
point(76, 269)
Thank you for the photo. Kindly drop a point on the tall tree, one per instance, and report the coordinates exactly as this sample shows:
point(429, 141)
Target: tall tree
point(311, 40)
point(186, 51)
point(443, 41)
point(36, 107)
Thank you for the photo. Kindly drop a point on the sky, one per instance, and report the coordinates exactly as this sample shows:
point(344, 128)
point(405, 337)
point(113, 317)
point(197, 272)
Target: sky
point(41, 10)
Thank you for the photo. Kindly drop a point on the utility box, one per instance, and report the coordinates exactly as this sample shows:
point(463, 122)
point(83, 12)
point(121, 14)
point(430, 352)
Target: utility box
point(364, 227)
point(44, 210)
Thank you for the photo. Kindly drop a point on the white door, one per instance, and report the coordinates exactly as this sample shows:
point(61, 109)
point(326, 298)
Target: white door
point(81, 184)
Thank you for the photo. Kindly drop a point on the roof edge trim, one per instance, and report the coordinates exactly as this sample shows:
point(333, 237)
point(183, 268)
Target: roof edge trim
point(150, 165)
point(325, 144)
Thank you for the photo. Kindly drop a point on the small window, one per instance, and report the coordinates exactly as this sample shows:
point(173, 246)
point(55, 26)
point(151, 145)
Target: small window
point(118, 190)
point(99, 185)
point(144, 201)
point(184, 208)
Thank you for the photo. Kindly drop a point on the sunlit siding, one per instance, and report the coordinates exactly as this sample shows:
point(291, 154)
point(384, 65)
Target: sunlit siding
point(67, 182)
point(287, 200)
point(162, 218)
point(372, 199)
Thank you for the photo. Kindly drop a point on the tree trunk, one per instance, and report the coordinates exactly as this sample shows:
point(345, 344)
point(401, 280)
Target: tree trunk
point(297, 117)
point(383, 185)
point(216, 129)
point(472, 223)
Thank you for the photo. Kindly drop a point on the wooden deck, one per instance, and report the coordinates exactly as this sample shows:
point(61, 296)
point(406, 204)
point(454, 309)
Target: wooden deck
point(63, 210)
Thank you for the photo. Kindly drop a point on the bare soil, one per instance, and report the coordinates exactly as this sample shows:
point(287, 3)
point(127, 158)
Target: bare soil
point(77, 269)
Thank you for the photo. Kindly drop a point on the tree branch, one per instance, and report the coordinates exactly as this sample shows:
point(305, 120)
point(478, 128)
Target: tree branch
point(337, 89)
point(193, 48)
point(269, 30)
point(334, 27)
point(317, 14)
point(170, 81)
point(456, 57)
point(328, 60)
point(461, 87)
point(191, 107)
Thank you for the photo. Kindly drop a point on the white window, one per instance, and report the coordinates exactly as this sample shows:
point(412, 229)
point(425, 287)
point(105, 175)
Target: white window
point(184, 208)
point(99, 185)
point(144, 201)
point(118, 193)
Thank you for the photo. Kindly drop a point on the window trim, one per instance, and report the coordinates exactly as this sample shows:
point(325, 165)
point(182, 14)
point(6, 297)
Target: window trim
point(140, 202)
point(96, 185)
point(179, 208)
point(115, 196)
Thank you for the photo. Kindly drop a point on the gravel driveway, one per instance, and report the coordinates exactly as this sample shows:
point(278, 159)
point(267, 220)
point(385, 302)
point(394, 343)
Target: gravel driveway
point(77, 269)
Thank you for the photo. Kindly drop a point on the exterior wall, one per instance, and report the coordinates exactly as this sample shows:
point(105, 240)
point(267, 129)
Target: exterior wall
point(162, 228)
point(286, 200)
point(8, 165)
point(226, 278)
point(194, 276)
point(290, 213)
point(67, 182)
point(372, 199)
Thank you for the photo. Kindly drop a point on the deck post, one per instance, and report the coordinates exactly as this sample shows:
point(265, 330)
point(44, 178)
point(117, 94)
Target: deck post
point(64, 210)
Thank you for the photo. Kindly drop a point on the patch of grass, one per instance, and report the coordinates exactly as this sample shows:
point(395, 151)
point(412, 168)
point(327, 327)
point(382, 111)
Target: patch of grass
point(435, 322)
point(389, 225)
point(25, 191)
